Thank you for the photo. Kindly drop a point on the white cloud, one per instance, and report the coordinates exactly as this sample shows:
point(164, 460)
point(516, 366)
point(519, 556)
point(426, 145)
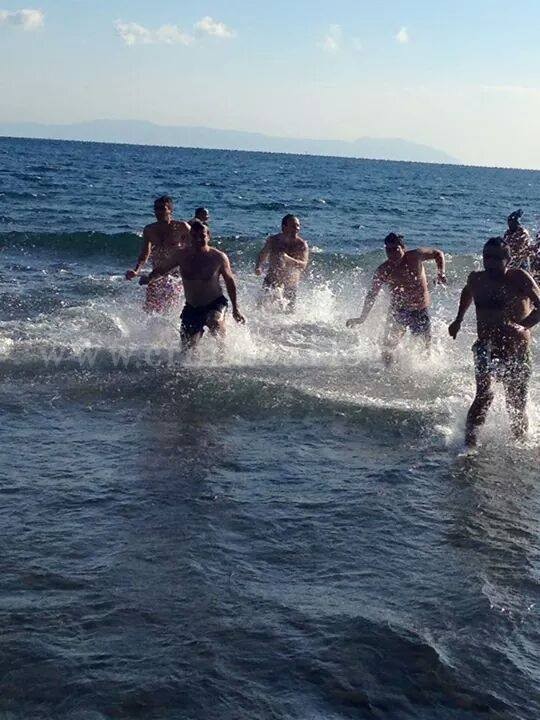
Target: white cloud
point(135, 34)
point(403, 36)
point(332, 42)
point(212, 27)
point(26, 19)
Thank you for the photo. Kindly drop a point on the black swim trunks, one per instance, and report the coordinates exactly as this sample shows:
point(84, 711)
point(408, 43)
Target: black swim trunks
point(194, 319)
point(417, 321)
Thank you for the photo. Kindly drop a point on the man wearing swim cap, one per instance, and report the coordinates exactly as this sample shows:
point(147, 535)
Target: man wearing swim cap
point(404, 275)
point(507, 302)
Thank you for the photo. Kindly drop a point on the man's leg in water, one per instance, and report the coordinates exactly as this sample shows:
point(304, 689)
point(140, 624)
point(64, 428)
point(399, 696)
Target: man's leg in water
point(476, 416)
point(393, 335)
point(189, 340)
point(516, 389)
point(289, 293)
point(215, 322)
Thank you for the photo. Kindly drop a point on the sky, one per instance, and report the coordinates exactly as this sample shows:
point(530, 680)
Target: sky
point(461, 76)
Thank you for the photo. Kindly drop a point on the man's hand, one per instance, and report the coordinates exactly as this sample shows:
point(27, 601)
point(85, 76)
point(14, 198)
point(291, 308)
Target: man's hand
point(144, 280)
point(130, 274)
point(441, 279)
point(454, 328)
point(237, 315)
point(353, 322)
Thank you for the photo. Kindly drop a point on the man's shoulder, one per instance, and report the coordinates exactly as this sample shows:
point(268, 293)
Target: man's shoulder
point(303, 244)
point(383, 269)
point(181, 225)
point(217, 254)
point(150, 228)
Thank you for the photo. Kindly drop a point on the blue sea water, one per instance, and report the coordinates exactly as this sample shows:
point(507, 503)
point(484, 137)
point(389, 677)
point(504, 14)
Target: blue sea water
point(289, 532)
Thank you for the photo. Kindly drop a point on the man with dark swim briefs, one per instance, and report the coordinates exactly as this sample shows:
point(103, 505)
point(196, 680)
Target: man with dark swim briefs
point(507, 304)
point(201, 268)
point(405, 276)
point(160, 239)
point(287, 256)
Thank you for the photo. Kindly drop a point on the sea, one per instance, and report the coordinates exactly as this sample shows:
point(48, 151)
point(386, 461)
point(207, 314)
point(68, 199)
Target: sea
point(286, 532)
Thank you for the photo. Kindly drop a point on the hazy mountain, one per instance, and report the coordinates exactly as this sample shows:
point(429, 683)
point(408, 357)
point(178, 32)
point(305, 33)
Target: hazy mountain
point(146, 133)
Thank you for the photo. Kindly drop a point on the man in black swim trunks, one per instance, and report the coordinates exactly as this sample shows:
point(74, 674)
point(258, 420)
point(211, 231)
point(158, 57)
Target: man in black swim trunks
point(507, 304)
point(405, 276)
point(201, 268)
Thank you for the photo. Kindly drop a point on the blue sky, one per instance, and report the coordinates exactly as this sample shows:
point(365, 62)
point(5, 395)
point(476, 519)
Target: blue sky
point(461, 76)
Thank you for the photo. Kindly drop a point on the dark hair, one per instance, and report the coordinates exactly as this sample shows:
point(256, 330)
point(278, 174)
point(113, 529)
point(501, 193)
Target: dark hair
point(499, 243)
point(198, 226)
point(163, 200)
point(394, 239)
point(286, 219)
point(200, 210)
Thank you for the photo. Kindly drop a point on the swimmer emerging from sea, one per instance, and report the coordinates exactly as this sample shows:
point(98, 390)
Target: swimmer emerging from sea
point(507, 304)
point(405, 276)
point(287, 255)
point(202, 214)
point(201, 268)
point(519, 241)
point(160, 240)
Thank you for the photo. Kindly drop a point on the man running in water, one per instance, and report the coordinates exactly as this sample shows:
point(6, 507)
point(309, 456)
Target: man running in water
point(160, 239)
point(201, 268)
point(507, 304)
point(287, 256)
point(405, 276)
point(519, 241)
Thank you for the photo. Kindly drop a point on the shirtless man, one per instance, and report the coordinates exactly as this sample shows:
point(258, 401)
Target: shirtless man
point(202, 214)
point(519, 241)
point(405, 276)
point(507, 304)
point(201, 268)
point(287, 256)
point(160, 239)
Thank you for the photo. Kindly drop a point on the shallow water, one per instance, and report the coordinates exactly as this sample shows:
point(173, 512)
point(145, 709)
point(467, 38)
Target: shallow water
point(290, 532)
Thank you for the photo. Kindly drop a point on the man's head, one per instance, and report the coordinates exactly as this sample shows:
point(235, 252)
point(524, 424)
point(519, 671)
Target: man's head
point(394, 245)
point(497, 255)
point(513, 220)
point(290, 225)
point(198, 235)
point(202, 214)
point(163, 208)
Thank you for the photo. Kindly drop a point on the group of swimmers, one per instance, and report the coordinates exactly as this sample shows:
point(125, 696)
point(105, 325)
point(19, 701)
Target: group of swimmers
point(505, 293)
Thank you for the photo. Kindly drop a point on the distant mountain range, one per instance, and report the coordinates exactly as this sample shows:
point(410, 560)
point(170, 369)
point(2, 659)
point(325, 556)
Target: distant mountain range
point(139, 132)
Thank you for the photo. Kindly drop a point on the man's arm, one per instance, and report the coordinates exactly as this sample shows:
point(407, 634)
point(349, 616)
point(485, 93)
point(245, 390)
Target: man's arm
point(376, 285)
point(533, 293)
point(230, 284)
point(263, 256)
point(464, 304)
point(144, 254)
point(438, 256)
point(299, 263)
point(164, 269)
